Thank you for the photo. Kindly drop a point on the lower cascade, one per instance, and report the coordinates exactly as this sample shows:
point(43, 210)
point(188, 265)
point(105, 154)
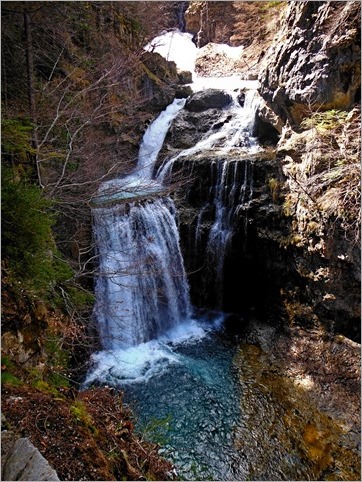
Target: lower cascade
point(142, 288)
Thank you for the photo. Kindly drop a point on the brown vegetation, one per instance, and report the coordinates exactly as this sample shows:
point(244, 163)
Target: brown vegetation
point(84, 436)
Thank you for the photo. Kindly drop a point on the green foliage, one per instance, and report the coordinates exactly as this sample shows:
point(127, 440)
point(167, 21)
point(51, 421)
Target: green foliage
point(6, 362)
point(81, 299)
point(27, 240)
point(44, 386)
point(326, 121)
point(16, 137)
point(79, 411)
point(6, 375)
point(58, 360)
point(45, 378)
point(10, 379)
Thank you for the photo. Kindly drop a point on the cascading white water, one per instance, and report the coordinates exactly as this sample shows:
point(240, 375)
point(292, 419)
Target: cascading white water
point(140, 182)
point(232, 184)
point(141, 287)
point(237, 132)
point(212, 411)
point(233, 190)
point(153, 139)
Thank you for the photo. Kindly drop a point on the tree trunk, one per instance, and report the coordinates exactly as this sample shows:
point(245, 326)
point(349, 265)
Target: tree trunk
point(31, 91)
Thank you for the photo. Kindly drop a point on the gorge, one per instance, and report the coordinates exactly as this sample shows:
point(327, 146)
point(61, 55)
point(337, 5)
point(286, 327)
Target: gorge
point(205, 177)
point(176, 364)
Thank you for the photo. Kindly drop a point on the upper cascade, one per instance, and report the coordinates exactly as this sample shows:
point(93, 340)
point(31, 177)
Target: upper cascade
point(140, 182)
point(153, 139)
point(233, 130)
point(223, 93)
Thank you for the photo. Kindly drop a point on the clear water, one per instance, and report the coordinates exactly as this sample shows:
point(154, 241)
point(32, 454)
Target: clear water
point(193, 407)
point(221, 411)
point(185, 394)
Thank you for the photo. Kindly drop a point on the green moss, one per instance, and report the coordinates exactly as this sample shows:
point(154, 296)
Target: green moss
point(326, 121)
point(271, 4)
point(44, 386)
point(7, 367)
point(152, 76)
point(275, 187)
point(10, 379)
point(79, 411)
point(80, 297)
point(6, 362)
point(32, 259)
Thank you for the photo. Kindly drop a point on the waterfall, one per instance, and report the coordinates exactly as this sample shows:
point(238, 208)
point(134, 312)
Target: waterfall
point(153, 139)
point(235, 133)
point(141, 287)
point(230, 192)
point(233, 190)
point(142, 292)
point(140, 183)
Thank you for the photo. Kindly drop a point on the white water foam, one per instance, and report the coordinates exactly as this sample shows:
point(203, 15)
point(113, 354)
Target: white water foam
point(234, 133)
point(140, 182)
point(139, 363)
point(142, 290)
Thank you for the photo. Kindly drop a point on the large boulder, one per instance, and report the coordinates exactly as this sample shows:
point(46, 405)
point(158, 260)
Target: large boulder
point(22, 461)
point(208, 99)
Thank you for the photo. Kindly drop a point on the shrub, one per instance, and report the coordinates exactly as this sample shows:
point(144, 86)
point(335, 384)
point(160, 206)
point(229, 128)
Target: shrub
point(28, 245)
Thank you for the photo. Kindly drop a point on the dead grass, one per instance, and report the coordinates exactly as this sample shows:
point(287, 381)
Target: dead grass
point(85, 435)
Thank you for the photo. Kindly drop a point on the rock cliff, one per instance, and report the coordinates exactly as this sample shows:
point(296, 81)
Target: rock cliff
point(314, 61)
point(296, 244)
point(311, 89)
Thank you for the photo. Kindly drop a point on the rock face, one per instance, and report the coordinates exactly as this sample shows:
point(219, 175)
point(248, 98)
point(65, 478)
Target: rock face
point(321, 168)
point(314, 62)
point(22, 461)
point(213, 61)
point(203, 112)
point(229, 216)
point(201, 19)
point(161, 82)
point(232, 250)
point(287, 250)
point(312, 70)
point(248, 25)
